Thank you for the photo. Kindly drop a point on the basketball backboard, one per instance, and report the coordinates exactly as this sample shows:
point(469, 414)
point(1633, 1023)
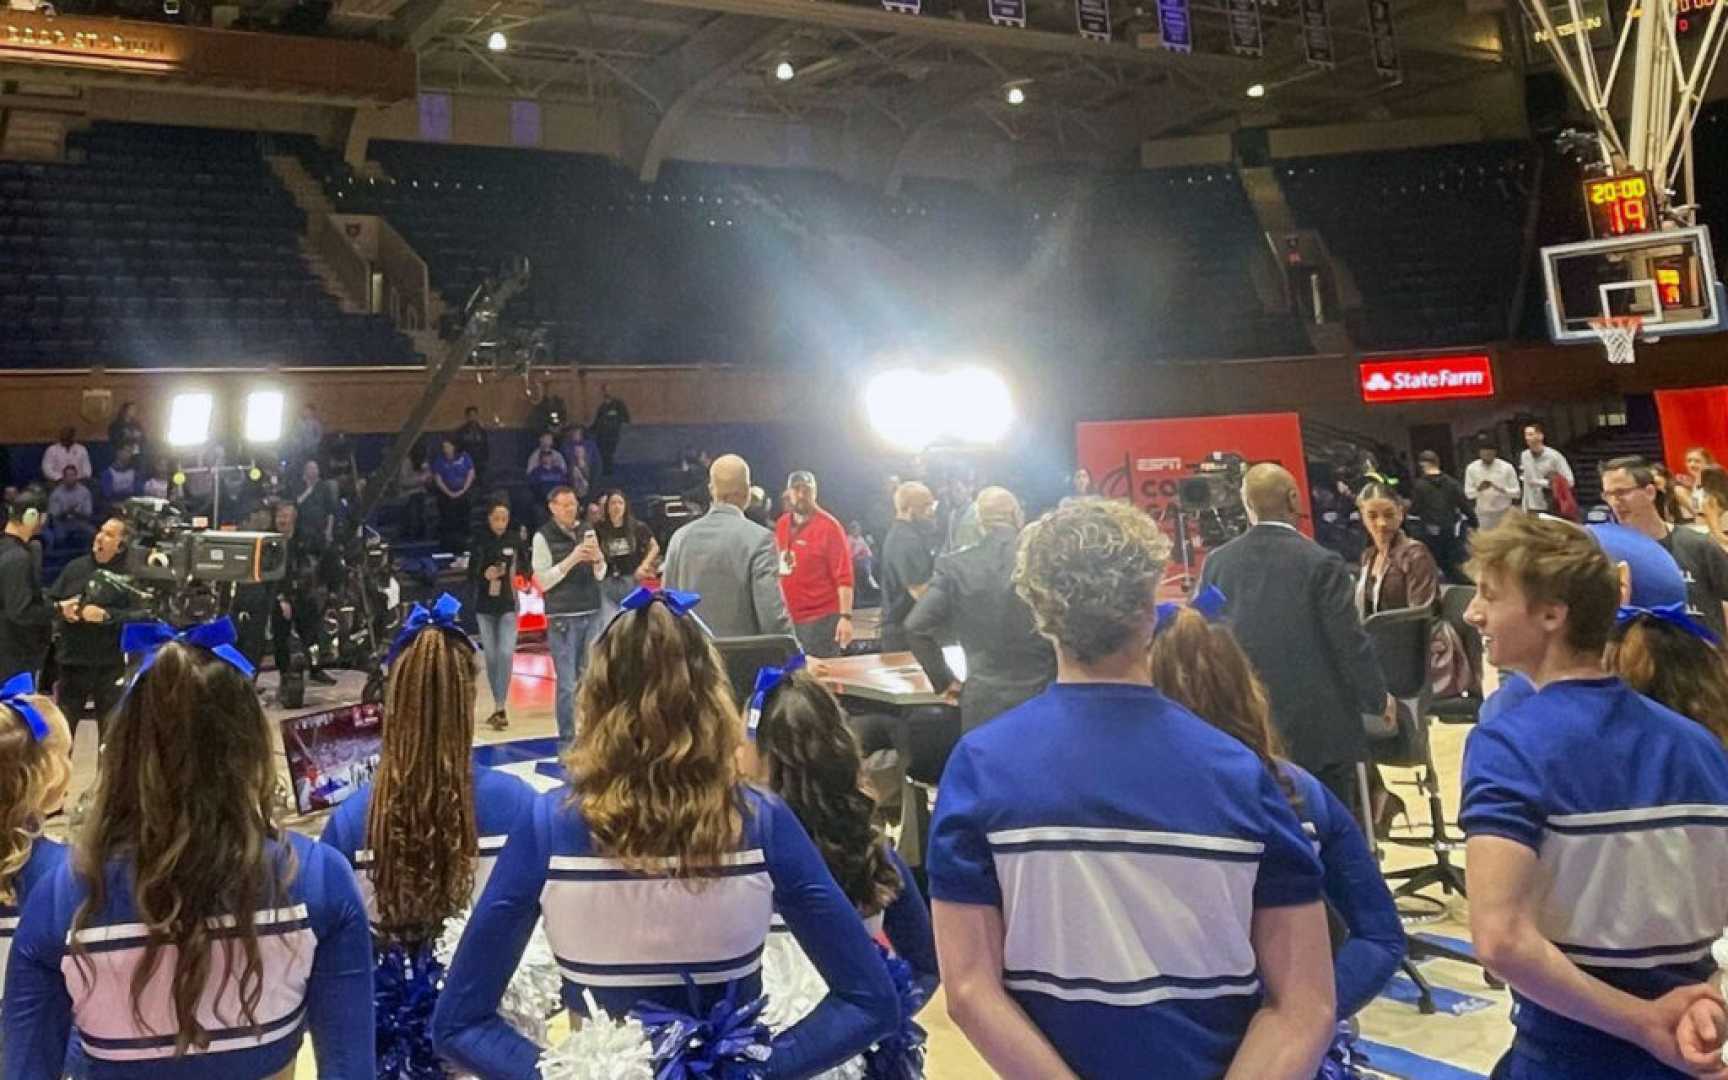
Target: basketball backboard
point(1667, 278)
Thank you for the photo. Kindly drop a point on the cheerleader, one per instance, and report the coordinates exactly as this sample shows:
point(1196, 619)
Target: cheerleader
point(424, 834)
point(1121, 890)
point(1201, 667)
point(35, 766)
point(1596, 823)
point(190, 937)
point(657, 871)
point(801, 749)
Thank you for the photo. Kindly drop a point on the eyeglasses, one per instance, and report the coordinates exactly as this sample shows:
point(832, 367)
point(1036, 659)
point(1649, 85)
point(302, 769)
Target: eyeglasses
point(1616, 494)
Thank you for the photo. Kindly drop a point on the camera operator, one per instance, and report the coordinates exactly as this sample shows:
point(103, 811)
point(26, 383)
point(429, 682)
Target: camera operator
point(24, 614)
point(314, 569)
point(93, 599)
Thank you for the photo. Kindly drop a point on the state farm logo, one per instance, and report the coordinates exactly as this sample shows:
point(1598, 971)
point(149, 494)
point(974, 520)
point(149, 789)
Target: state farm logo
point(1427, 378)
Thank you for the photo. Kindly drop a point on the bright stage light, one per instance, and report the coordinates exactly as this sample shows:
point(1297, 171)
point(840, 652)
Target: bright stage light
point(1258, 90)
point(189, 419)
point(1015, 95)
point(497, 42)
point(978, 407)
point(784, 71)
point(912, 411)
point(264, 410)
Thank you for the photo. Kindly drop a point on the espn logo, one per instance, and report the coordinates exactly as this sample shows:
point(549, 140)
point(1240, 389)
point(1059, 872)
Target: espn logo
point(1426, 378)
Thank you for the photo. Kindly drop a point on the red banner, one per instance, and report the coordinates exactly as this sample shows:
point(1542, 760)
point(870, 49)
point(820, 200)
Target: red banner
point(1145, 461)
point(1693, 418)
point(1394, 379)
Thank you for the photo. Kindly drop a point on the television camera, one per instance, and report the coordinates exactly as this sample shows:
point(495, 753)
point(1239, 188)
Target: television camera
point(1212, 497)
point(191, 572)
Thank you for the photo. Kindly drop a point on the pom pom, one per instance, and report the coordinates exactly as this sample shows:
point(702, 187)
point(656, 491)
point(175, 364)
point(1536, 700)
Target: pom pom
point(729, 1043)
point(601, 1048)
point(901, 1055)
point(1342, 1061)
point(535, 992)
point(790, 982)
point(405, 990)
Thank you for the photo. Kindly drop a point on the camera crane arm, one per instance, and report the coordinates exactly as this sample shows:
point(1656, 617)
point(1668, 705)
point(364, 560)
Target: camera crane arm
point(482, 323)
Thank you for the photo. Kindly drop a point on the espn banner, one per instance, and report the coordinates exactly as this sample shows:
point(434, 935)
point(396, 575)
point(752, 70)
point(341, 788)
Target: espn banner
point(1246, 38)
point(1317, 34)
point(1383, 41)
point(1174, 29)
point(1094, 18)
point(1008, 13)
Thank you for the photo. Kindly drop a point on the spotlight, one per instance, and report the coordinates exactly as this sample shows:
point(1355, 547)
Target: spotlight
point(912, 411)
point(1258, 90)
point(497, 42)
point(784, 71)
point(1015, 95)
point(264, 416)
point(189, 419)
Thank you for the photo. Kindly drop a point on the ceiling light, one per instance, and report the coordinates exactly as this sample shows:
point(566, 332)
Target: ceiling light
point(1015, 95)
point(497, 42)
point(1258, 90)
point(784, 71)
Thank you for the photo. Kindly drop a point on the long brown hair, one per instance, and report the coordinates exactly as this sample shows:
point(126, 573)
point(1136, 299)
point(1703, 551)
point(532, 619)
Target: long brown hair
point(815, 765)
point(31, 771)
point(1200, 666)
point(654, 758)
point(184, 796)
point(1670, 666)
point(421, 824)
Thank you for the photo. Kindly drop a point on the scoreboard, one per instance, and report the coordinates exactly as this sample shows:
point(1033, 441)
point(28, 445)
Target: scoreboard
point(1619, 205)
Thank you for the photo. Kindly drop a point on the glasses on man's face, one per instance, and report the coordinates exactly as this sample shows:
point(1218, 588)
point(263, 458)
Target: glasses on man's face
point(1619, 494)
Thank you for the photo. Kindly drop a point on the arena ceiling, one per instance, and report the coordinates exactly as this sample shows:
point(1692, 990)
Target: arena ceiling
point(946, 67)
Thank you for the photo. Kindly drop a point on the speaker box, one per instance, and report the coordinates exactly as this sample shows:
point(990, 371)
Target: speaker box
point(291, 693)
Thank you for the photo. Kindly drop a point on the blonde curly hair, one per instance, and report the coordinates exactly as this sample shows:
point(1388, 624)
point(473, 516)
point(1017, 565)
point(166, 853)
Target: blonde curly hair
point(1090, 571)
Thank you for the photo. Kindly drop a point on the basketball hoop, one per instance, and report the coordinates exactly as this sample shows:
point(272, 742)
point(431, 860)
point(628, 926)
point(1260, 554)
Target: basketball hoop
point(1619, 336)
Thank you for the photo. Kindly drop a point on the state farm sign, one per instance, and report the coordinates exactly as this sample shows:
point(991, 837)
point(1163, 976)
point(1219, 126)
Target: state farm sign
point(1426, 378)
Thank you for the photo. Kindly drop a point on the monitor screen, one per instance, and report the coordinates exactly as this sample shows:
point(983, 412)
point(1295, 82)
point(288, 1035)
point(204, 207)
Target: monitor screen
point(332, 753)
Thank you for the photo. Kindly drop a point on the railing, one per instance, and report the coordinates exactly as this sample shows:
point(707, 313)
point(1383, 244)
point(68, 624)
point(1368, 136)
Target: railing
point(407, 288)
point(352, 271)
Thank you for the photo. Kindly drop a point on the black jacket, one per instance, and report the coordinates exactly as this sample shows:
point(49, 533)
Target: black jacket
point(490, 549)
point(908, 560)
point(972, 598)
point(85, 644)
point(24, 613)
point(1438, 502)
point(314, 567)
point(1292, 605)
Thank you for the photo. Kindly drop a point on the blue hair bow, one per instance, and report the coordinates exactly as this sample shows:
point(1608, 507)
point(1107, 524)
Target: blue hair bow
point(217, 636)
point(1673, 614)
point(442, 616)
point(1209, 602)
point(16, 696)
point(677, 602)
point(768, 679)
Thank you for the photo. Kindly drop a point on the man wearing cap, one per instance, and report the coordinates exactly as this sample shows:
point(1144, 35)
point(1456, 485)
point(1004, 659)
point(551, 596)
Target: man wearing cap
point(815, 570)
point(1491, 483)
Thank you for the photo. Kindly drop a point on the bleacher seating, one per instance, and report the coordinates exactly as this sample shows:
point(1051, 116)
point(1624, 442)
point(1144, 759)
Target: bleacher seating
point(159, 246)
point(1434, 237)
point(724, 263)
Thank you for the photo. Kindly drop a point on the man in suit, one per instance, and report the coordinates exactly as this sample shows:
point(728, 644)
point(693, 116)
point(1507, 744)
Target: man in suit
point(730, 560)
point(1292, 605)
point(971, 597)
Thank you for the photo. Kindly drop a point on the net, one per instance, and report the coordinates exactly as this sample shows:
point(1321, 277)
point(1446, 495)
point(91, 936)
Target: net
point(1619, 336)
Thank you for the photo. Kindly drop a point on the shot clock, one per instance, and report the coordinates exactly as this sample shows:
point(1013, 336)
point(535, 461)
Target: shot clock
point(1619, 205)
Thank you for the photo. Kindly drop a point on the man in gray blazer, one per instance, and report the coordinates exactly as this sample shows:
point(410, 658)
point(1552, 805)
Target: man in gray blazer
point(730, 560)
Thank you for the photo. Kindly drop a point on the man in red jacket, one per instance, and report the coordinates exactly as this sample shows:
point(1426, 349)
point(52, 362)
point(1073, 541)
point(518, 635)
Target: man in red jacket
point(815, 571)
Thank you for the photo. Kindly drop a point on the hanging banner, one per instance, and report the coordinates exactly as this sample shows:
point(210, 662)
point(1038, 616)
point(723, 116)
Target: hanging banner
point(1245, 35)
point(1317, 34)
point(1094, 18)
point(1008, 13)
point(1383, 41)
point(1174, 29)
point(904, 7)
